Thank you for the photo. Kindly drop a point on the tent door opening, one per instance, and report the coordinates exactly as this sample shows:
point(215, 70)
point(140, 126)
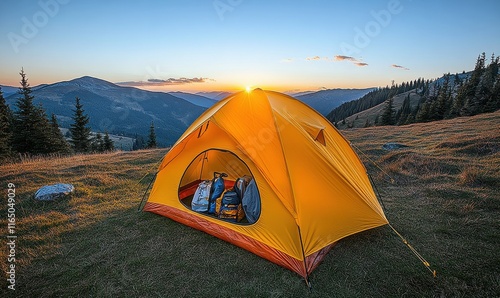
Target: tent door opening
point(200, 190)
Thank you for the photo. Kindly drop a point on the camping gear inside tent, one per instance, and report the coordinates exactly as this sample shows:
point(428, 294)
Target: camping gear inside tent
point(309, 188)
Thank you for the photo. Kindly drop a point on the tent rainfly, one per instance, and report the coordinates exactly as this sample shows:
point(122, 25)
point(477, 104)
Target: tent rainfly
point(313, 188)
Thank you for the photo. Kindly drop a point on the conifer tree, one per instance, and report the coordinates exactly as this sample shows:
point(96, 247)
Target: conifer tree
point(423, 112)
point(31, 128)
point(44, 137)
point(405, 111)
point(441, 105)
point(457, 81)
point(139, 143)
point(5, 128)
point(80, 132)
point(152, 137)
point(58, 141)
point(108, 143)
point(387, 117)
point(472, 104)
point(485, 91)
point(411, 118)
point(457, 103)
point(97, 144)
point(493, 103)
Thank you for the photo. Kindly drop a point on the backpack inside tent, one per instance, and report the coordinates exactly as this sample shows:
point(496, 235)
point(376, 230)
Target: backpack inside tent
point(307, 187)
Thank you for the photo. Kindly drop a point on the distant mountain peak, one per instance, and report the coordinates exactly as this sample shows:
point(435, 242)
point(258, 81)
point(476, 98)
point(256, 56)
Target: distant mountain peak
point(118, 110)
point(89, 83)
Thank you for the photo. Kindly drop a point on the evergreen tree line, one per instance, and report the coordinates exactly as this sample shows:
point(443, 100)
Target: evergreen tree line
point(374, 98)
point(455, 97)
point(141, 143)
point(28, 129)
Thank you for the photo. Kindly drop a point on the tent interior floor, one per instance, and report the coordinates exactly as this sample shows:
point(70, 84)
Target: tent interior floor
point(186, 195)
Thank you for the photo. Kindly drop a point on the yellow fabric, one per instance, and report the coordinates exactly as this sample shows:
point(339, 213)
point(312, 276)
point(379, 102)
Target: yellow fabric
point(308, 176)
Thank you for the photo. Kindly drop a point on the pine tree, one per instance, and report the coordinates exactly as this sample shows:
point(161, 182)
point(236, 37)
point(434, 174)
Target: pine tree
point(405, 111)
point(96, 143)
point(5, 128)
point(441, 105)
point(493, 103)
point(152, 137)
point(58, 141)
point(423, 112)
point(457, 81)
point(139, 143)
point(80, 132)
point(388, 114)
point(472, 105)
point(31, 128)
point(108, 143)
point(457, 103)
point(486, 88)
point(413, 114)
point(43, 138)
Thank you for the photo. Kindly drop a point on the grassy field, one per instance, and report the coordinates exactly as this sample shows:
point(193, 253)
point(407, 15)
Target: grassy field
point(441, 193)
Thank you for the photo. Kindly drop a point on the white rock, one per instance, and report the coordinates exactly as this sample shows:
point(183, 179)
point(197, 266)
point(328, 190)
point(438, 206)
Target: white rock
point(54, 192)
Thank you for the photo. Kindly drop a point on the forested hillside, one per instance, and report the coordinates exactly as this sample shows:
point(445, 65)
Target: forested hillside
point(450, 96)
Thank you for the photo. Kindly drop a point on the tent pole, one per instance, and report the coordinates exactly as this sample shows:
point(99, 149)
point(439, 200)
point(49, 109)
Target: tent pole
point(307, 280)
point(379, 197)
point(139, 208)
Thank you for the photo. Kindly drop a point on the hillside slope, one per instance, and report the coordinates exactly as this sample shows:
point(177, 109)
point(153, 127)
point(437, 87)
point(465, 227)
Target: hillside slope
point(369, 115)
point(441, 193)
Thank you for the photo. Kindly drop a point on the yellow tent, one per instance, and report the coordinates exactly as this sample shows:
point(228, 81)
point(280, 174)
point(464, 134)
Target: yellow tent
point(313, 188)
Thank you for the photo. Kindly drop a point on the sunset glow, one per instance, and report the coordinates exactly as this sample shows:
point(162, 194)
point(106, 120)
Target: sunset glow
point(179, 46)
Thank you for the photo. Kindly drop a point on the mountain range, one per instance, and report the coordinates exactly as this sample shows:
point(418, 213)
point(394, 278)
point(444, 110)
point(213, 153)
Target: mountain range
point(195, 99)
point(129, 111)
point(215, 95)
point(324, 101)
point(118, 110)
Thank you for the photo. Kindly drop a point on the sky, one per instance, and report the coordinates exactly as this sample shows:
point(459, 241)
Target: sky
point(228, 45)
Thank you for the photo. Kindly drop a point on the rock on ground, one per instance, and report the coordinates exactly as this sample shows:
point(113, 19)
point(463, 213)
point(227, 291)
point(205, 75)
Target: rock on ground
point(54, 192)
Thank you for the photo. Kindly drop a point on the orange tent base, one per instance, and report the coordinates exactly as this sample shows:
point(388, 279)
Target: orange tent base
point(245, 242)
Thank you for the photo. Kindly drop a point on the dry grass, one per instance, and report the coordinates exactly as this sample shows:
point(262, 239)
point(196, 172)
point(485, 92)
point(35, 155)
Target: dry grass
point(105, 185)
point(443, 198)
point(444, 195)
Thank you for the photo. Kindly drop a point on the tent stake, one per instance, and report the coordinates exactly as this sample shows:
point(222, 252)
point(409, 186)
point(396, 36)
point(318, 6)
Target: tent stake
point(415, 252)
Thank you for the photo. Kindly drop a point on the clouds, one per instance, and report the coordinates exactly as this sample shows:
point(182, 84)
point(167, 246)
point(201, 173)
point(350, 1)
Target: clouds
point(399, 66)
point(167, 82)
point(351, 59)
point(316, 58)
point(342, 58)
point(338, 58)
point(335, 58)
